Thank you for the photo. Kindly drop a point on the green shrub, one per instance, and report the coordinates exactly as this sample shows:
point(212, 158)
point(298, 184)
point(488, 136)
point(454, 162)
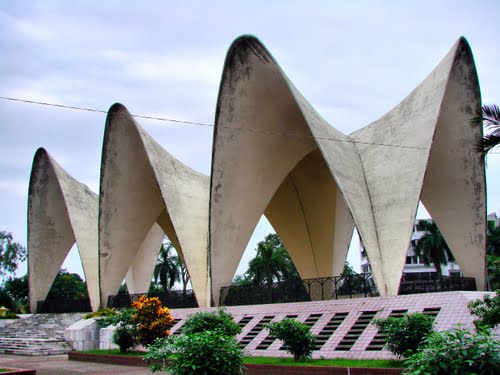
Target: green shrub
point(209, 352)
point(9, 315)
point(124, 317)
point(100, 313)
point(299, 341)
point(456, 352)
point(219, 321)
point(125, 333)
point(405, 334)
point(487, 310)
point(125, 337)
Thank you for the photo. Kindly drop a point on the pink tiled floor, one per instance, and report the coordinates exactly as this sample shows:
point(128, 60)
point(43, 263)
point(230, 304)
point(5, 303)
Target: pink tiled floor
point(453, 311)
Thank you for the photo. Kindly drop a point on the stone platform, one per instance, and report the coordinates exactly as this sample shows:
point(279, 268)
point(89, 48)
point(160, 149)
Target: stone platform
point(343, 326)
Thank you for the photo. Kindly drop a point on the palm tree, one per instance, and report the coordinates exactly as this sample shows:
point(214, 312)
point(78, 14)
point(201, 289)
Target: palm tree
point(183, 272)
point(272, 262)
point(489, 117)
point(432, 247)
point(166, 269)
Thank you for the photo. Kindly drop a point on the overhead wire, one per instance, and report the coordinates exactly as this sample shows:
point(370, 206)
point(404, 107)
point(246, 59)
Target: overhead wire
point(195, 123)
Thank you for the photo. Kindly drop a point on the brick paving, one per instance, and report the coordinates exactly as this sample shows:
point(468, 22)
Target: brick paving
point(60, 365)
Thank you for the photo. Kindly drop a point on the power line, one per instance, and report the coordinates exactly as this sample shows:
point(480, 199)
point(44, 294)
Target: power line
point(100, 111)
point(164, 119)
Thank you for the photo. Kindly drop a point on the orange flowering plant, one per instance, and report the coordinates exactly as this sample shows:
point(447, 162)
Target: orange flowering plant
point(153, 320)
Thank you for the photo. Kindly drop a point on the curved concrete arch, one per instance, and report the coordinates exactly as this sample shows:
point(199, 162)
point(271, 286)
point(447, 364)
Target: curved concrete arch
point(311, 218)
point(434, 120)
point(142, 184)
point(61, 212)
point(253, 157)
point(265, 132)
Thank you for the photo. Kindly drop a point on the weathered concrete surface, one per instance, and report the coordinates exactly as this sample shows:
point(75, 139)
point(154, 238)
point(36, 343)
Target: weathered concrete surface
point(433, 120)
point(142, 184)
point(141, 272)
point(273, 154)
point(61, 211)
point(264, 129)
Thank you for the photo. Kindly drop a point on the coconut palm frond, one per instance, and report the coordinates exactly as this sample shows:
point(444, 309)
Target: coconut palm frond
point(492, 140)
point(491, 116)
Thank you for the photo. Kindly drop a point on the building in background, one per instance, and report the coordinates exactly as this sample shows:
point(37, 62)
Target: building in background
point(415, 267)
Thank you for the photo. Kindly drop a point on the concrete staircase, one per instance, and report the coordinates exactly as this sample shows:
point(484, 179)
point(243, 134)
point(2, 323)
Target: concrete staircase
point(40, 334)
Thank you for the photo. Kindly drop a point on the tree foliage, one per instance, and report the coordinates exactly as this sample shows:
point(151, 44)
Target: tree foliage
point(432, 247)
point(406, 334)
point(487, 310)
point(493, 270)
point(68, 287)
point(18, 289)
point(493, 255)
point(166, 271)
point(271, 263)
point(493, 239)
point(11, 254)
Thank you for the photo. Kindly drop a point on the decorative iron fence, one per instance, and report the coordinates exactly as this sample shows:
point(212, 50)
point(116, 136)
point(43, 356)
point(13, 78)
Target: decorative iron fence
point(326, 288)
point(411, 284)
point(58, 306)
point(175, 299)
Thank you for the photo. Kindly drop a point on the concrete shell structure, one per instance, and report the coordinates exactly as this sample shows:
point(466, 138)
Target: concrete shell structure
point(61, 212)
point(144, 188)
point(273, 154)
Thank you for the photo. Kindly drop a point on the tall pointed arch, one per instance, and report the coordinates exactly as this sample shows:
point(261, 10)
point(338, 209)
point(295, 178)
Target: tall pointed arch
point(430, 155)
point(142, 184)
point(264, 133)
point(61, 212)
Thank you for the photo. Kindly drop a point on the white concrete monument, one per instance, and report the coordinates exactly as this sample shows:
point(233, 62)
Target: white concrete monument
point(61, 212)
point(273, 155)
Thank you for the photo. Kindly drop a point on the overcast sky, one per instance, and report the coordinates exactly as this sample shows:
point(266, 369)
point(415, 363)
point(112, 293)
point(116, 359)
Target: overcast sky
point(353, 60)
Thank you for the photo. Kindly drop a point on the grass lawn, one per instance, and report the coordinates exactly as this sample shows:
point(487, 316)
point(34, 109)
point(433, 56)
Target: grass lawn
point(338, 362)
point(133, 353)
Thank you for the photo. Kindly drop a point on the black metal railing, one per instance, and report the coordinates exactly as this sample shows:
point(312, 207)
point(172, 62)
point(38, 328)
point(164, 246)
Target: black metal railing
point(174, 299)
point(326, 288)
point(58, 306)
point(415, 284)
